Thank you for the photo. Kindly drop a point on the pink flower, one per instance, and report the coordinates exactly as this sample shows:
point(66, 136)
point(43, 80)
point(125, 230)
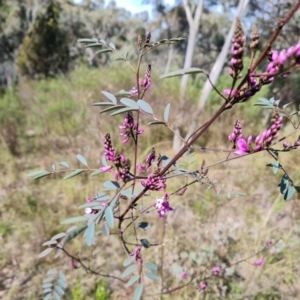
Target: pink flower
point(203, 286)
point(182, 191)
point(184, 274)
point(243, 148)
point(162, 205)
point(216, 271)
point(269, 243)
point(105, 169)
point(133, 92)
point(259, 262)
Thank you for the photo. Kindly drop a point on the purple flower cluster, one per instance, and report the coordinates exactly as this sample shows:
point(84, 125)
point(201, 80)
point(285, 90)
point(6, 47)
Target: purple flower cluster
point(136, 253)
point(259, 262)
point(216, 271)
point(109, 151)
point(129, 129)
point(203, 286)
point(145, 83)
point(154, 183)
point(262, 141)
point(237, 49)
point(295, 145)
point(162, 205)
point(121, 163)
point(277, 63)
point(147, 79)
point(278, 60)
point(237, 132)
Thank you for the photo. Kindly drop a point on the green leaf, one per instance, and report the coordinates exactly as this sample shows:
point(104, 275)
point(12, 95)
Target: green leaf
point(117, 59)
point(132, 280)
point(275, 166)
point(144, 225)
point(87, 41)
point(52, 272)
point(129, 270)
point(71, 235)
point(45, 252)
point(90, 233)
point(138, 292)
point(127, 194)
point(151, 266)
point(157, 123)
point(61, 283)
point(166, 113)
point(123, 111)
point(289, 192)
point(48, 290)
point(48, 279)
point(42, 175)
point(39, 174)
point(111, 45)
point(104, 161)
point(111, 185)
point(48, 296)
point(47, 285)
point(62, 276)
point(240, 194)
point(152, 276)
point(145, 106)
point(102, 41)
point(229, 195)
point(128, 261)
point(182, 72)
point(109, 217)
point(74, 220)
point(103, 51)
point(102, 104)
point(286, 105)
point(110, 97)
point(82, 159)
point(129, 102)
point(145, 243)
point(49, 243)
point(293, 113)
point(95, 173)
point(229, 271)
point(123, 93)
point(75, 173)
point(58, 236)
point(284, 183)
point(59, 290)
point(105, 229)
point(93, 45)
point(93, 204)
point(56, 296)
point(64, 164)
point(111, 108)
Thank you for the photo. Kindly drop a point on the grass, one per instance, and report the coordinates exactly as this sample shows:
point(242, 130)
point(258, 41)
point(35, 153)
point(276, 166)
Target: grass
point(45, 122)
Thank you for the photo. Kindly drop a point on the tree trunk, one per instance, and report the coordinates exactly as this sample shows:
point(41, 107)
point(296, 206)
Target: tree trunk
point(216, 70)
point(194, 22)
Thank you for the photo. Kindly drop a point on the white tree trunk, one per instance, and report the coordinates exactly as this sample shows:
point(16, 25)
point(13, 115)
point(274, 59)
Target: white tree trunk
point(194, 22)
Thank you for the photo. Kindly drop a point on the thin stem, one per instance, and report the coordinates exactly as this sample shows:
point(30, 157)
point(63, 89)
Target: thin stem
point(77, 259)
